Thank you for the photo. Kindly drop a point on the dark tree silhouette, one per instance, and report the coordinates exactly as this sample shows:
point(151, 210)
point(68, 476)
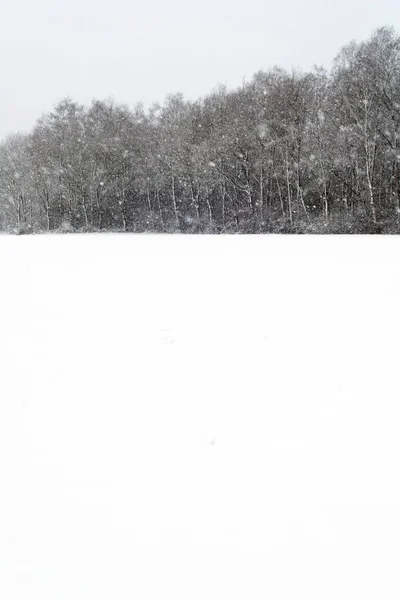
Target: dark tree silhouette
point(286, 152)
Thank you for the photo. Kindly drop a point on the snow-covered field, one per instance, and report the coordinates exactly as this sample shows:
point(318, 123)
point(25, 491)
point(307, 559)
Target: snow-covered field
point(199, 418)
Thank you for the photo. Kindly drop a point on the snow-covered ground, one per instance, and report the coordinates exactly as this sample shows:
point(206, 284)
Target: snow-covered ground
point(199, 418)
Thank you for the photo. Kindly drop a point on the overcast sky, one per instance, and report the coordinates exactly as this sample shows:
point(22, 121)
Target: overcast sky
point(140, 51)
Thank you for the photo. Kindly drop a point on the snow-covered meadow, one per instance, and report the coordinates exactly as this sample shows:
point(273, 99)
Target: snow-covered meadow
point(199, 418)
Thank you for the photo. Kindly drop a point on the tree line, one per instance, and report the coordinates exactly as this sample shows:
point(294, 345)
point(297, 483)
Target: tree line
point(299, 152)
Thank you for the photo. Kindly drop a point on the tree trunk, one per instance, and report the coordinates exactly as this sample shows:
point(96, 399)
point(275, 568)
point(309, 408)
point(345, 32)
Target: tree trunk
point(195, 200)
point(370, 188)
point(159, 208)
point(288, 189)
point(280, 196)
point(223, 195)
point(174, 202)
point(151, 216)
point(210, 216)
point(261, 194)
point(47, 210)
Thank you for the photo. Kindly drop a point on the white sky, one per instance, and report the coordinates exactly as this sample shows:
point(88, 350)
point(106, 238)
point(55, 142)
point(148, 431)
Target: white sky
point(140, 51)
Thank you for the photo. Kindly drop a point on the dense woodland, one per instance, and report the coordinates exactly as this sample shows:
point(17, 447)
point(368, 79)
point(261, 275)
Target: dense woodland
point(286, 152)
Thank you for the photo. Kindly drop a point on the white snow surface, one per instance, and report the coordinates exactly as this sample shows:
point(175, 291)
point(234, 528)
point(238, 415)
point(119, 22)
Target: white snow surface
point(199, 418)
